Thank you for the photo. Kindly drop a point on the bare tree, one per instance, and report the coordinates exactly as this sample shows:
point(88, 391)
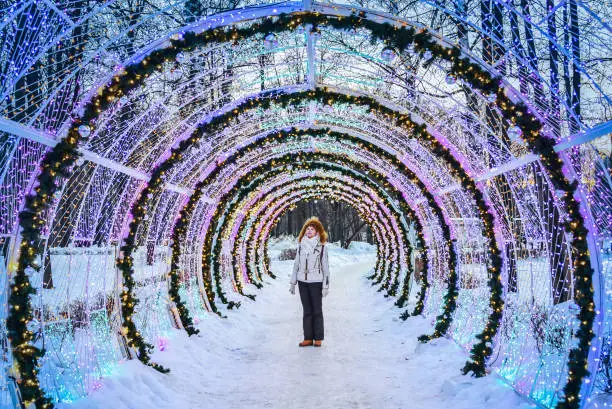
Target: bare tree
point(341, 221)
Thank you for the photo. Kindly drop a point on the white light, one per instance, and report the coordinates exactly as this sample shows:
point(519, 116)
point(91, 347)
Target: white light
point(388, 54)
point(174, 74)
point(270, 41)
point(450, 79)
point(427, 55)
point(514, 133)
point(84, 131)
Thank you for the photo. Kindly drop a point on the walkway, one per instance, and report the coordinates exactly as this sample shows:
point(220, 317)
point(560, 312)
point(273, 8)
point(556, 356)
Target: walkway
point(369, 359)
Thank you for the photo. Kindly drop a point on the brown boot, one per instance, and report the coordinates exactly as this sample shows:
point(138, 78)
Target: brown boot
point(317, 343)
point(305, 343)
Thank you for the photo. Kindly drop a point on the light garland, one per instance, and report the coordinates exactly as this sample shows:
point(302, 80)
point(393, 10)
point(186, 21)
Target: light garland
point(317, 178)
point(274, 217)
point(270, 168)
point(60, 158)
point(255, 219)
point(370, 221)
point(285, 135)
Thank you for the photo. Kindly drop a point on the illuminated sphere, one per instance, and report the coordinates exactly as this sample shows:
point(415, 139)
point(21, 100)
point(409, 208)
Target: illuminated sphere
point(84, 131)
point(388, 54)
point(514, 133)
point(270, 41)
point(427, 55)
point(450, 79)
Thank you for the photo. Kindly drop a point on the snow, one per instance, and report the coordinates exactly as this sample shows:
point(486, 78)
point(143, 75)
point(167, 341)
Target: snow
point(369, 358)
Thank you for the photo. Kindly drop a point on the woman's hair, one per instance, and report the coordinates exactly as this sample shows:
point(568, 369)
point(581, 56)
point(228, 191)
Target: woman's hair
point(316, 223)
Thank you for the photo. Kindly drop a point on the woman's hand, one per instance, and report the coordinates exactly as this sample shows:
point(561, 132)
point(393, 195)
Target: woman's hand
point(325, 292)
point(292, 289)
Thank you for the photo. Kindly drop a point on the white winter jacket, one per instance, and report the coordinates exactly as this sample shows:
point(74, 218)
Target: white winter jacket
point(311, 268)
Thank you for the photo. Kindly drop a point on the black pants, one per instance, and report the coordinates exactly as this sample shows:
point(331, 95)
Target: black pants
point(311, 296)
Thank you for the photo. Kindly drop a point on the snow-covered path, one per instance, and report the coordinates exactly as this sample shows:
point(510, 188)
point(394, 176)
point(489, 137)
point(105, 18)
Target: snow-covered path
point(369, 358)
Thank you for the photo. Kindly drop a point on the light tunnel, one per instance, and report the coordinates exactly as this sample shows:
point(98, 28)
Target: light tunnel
point(145, 163)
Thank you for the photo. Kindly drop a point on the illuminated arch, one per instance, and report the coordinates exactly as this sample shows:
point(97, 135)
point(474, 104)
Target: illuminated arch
point(576, 225)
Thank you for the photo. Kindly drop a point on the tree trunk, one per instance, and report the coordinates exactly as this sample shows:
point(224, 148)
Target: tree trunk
point(555, 112)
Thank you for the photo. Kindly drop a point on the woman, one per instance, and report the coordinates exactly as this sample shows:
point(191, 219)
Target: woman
point(311, 272)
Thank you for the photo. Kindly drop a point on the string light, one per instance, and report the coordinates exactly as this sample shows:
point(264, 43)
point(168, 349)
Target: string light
point(58, 162)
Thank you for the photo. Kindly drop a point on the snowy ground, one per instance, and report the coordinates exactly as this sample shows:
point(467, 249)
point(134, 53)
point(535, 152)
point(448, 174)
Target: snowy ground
point(369, 358)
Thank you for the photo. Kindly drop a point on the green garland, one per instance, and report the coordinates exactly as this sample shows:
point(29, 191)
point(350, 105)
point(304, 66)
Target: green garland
point(272, 204)
point(253, 240)
point(394, 271)
point(381, 265)
point(317, 191)
point(212, 253)
point(284, 135)
point(236, 268)
point(379, 274)
point(59, 159)
point(266, 262)
point(128, 300)
point(379, 260)
point(444, 320)
point(217, 250)
point(406, 284)
point(376, 230)
point(179, 233)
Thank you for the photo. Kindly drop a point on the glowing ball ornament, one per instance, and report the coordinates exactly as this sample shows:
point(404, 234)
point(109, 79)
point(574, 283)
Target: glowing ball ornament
point(388, 54)
point(514, 133)
point(270, 41)
point(450, 79)
point(84, 131)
